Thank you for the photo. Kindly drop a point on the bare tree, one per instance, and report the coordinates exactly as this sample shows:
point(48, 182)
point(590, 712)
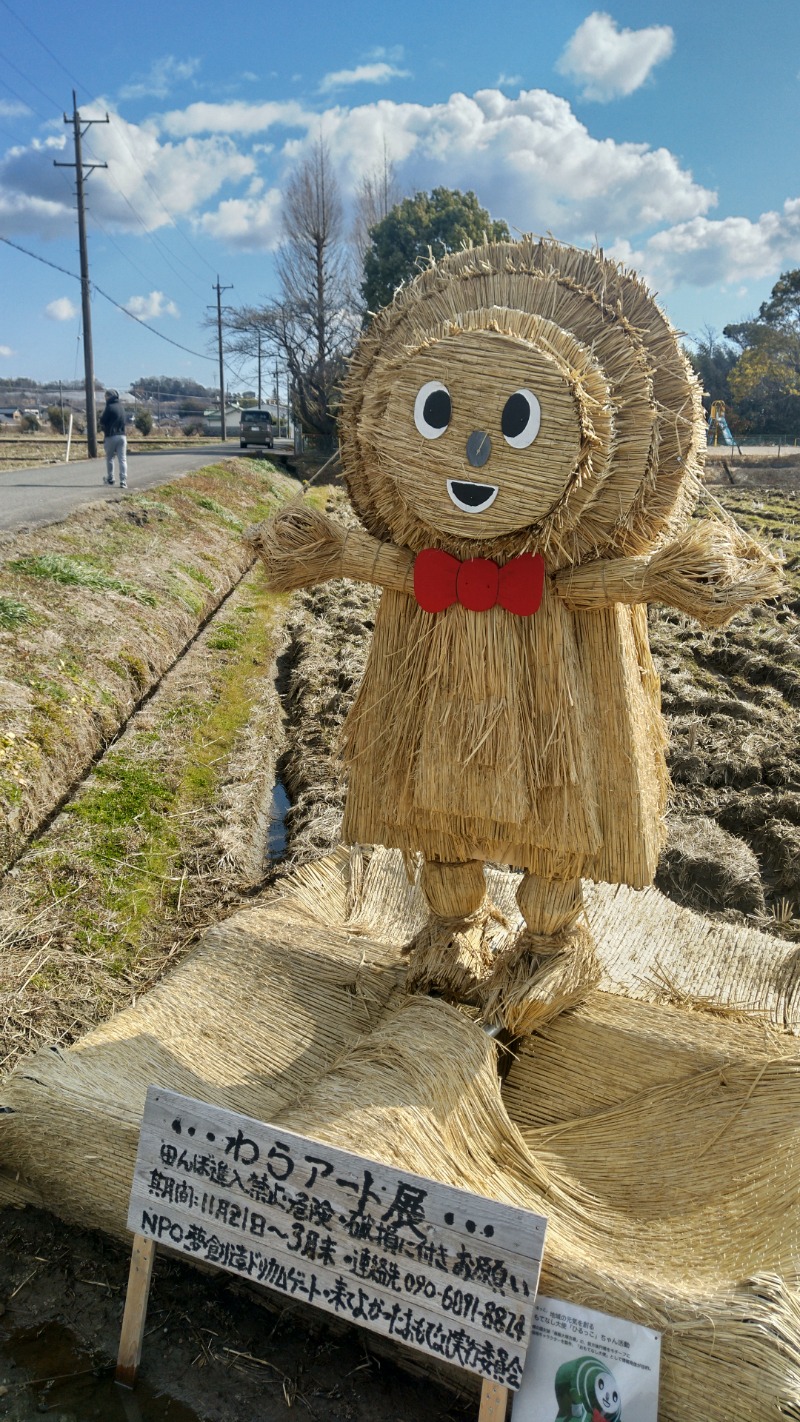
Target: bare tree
point(378, 192)
point(313, 324)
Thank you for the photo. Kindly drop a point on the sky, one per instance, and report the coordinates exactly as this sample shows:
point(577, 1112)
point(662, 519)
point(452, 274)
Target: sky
point(662, 130)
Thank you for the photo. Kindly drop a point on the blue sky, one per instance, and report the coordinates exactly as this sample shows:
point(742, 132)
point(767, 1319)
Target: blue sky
point(665, 130)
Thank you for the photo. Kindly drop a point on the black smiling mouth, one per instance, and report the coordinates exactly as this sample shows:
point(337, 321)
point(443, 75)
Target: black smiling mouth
point(471, 498)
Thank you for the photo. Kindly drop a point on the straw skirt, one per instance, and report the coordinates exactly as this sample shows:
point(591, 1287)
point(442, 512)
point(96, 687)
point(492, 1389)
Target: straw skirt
point(530, 741)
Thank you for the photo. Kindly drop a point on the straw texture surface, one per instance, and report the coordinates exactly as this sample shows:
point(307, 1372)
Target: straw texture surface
point(662, 1142)
point(566, 422)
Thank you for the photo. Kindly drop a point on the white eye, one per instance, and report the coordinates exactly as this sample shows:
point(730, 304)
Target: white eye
point(432, 409)
point(521, 418)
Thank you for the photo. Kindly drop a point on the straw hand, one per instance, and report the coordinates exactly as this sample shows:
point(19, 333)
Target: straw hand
point(301, 547)
point(711, 571)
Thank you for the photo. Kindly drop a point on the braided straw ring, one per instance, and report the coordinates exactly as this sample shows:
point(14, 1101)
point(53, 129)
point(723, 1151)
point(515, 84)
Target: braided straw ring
point(616, 468)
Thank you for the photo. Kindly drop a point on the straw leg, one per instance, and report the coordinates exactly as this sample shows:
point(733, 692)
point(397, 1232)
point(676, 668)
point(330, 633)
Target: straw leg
point(551, 966)
point(450, 955)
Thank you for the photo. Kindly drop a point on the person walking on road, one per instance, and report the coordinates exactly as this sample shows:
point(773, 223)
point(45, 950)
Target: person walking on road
point(112, 422)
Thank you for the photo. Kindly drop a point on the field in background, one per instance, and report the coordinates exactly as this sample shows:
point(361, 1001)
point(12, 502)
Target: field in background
point(19, 451)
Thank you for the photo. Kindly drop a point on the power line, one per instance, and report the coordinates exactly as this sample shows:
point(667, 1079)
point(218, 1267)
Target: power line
point(71, 76)
point(155, 241)
point(41, 42)
point(160, 201)
point(152, 237)
point(159, 245)
point(32, 83)
point(100, 292)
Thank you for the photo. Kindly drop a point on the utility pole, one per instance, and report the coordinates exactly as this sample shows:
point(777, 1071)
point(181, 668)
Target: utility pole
point(219, 290)
point(88, 357)
point(259, 369)
point(277, 400)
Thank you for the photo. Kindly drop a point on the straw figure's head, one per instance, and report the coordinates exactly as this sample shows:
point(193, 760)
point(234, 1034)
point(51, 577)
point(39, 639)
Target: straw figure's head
point(587, 1389)
point(522, 396)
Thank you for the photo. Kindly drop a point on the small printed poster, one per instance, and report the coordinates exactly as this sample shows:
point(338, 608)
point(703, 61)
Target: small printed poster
point(584, 1366)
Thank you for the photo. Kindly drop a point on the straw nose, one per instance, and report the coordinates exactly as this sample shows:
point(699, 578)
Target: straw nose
point(479, 447)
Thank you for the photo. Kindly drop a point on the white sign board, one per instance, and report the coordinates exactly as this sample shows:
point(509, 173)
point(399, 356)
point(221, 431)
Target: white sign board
point(436, 1268)
point(588, 1366)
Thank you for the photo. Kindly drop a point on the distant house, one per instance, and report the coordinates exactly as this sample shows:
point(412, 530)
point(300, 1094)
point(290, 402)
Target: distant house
point(9, 415)
point(233, 416)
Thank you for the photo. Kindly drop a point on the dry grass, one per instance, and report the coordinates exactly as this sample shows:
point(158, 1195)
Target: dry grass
point(92, 612)
point(29, 451)
point(161, 838)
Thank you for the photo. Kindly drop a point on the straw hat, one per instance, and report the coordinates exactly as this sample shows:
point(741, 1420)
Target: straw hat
point(522, 395)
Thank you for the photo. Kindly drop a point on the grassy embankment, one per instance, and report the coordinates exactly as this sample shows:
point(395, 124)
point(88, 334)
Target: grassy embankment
point(92, 612)
point(168, 829)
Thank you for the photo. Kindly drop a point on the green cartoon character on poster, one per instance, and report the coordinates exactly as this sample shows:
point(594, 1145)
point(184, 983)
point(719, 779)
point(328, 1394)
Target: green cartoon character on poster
point(587, 1391)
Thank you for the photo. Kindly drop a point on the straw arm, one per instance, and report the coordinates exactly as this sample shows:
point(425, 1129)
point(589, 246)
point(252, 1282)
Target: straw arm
point(301, 547)
point(711, 571)
point(602, 583)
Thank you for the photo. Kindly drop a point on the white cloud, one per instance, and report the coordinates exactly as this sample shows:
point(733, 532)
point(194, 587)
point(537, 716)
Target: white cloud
point(161, 78)
point(149, 308)
point(528, 157)
point(10, 109)
point(22, 213)
point(148, 181)
point(377, 73)
point(6, 351)
point(62, 309)
point(610, 62)
point(704, 252)
point(251, 224)
point(236, 117)
point(508, 81)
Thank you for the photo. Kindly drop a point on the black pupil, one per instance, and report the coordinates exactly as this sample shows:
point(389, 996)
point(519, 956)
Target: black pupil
point(516, 414)
point(436, 410)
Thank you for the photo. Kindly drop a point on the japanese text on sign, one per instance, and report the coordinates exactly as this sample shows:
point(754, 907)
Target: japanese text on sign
point(437, 1268)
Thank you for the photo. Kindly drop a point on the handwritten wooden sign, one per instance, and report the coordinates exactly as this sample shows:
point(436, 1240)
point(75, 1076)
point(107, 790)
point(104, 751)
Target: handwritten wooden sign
point(437, 1268)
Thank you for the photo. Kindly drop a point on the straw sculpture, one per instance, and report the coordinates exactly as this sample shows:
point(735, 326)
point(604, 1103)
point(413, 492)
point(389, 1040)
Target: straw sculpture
point(663, 1145)
point(521, 439)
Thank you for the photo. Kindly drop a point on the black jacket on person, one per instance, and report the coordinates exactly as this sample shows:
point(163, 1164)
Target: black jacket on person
point(112, 420)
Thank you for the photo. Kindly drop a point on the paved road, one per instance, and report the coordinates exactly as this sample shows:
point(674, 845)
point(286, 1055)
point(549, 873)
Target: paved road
point(51, 491)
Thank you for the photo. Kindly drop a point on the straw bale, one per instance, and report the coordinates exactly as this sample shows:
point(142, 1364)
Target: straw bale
point(654, 950)
point(663, 1145)
point(236, 1024)
point(617, 1046)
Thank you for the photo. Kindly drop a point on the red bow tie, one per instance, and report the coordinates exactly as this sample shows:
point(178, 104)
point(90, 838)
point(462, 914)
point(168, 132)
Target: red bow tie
point(478, 584)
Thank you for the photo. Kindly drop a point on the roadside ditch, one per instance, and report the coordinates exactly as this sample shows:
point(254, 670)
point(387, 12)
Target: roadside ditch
point(94, 611)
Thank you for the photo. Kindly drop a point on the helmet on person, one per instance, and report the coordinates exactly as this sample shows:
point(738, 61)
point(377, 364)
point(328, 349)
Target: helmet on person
point(112, 395)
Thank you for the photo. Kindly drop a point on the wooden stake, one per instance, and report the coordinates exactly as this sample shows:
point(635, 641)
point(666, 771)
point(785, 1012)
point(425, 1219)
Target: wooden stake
point(494, 1402)
point(130, 1343)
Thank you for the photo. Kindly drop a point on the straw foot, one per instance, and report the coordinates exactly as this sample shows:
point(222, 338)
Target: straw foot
point(539, 977)
point(452, 957)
